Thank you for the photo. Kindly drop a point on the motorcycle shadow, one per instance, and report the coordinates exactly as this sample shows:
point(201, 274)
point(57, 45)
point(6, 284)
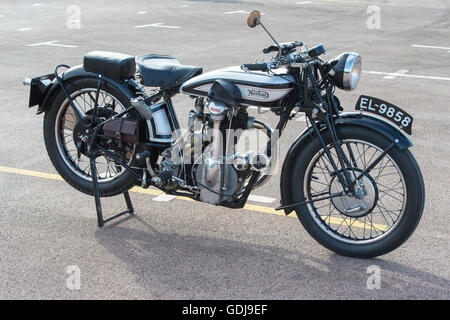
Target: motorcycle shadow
point(177, 266)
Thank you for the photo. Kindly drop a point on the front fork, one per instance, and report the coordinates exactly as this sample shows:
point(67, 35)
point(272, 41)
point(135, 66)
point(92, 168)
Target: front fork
point(344, 179)
point(348, 183)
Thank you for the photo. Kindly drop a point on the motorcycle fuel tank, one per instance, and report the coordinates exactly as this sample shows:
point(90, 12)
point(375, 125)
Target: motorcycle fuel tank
point(257, 88)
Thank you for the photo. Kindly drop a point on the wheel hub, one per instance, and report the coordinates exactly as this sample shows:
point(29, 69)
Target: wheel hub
point(363, 198)
point(81, 135)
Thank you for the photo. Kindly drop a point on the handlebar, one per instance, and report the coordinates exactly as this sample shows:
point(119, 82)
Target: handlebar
point(288, 57)
point(270, 49)
point(285, 47)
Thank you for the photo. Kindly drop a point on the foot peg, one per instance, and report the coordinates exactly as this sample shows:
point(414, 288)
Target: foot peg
point(143, 155)
point(163, 178)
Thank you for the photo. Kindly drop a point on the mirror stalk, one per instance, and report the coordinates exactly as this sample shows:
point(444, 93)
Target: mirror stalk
point(279, 48)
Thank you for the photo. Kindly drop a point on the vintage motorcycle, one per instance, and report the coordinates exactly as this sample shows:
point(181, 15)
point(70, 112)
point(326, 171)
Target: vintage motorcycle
point(350, 177)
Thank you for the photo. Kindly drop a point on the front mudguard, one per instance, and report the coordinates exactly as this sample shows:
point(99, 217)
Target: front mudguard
point(346, 119)
point(47, 94)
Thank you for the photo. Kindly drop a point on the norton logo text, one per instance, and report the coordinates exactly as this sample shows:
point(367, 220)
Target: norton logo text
point(258, 93)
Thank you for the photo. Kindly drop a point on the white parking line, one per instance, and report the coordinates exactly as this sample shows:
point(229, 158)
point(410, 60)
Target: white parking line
point(164, 197)
point(240, 12)
point(2, 16)
point(24, 29)
point(407, 75)
point(157, 25)
point(261, 199)
point(51, 43)
point(402, 71)
point(142, 12)
point(429, 47)
point(304, 2)
point(37, 4)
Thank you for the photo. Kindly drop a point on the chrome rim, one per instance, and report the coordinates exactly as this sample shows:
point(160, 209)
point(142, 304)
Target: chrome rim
point(386, 194)
point(66, 120)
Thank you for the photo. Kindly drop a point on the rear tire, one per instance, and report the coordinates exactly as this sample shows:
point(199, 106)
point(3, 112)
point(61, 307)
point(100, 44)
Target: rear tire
point(60, 158)
point(325, 232)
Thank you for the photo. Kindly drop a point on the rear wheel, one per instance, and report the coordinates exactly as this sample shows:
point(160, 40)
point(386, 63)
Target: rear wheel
point(385, 206)
point(66, 142)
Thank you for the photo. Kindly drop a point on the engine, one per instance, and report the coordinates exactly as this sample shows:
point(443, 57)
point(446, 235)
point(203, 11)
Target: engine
point(205, 160)
point(215, 175)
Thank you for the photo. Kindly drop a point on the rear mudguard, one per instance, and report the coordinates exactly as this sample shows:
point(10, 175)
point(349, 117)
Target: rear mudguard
point(347, 119)
point(45, 93)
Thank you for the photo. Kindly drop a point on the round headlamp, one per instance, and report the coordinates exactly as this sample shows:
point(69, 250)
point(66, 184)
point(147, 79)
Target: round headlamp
point(347, 71)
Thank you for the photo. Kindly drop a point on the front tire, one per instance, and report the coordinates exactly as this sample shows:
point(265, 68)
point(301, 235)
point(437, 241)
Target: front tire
point(391, 210)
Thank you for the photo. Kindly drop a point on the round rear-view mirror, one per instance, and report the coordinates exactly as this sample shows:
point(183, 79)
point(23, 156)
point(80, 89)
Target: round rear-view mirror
point(253, 18)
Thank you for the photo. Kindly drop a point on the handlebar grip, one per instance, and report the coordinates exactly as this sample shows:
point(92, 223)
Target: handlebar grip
point(270, 49)
point(285, 47)
point(256, 66)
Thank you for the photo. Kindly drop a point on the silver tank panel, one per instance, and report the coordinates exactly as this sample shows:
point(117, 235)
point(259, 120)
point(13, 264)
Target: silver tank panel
point(257, 88)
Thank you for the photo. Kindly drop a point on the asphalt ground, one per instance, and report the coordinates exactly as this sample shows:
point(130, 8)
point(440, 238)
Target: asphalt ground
point(181, 249)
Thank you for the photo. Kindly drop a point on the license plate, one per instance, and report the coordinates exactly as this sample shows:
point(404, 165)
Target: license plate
point(386, 110)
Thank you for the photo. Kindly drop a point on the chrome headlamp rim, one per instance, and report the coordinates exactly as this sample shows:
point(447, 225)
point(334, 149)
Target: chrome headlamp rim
point(346, 71)
point(352, 71)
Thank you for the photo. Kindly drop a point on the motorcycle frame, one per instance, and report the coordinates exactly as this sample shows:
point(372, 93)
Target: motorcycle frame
point(322, 117)
point(94, 148)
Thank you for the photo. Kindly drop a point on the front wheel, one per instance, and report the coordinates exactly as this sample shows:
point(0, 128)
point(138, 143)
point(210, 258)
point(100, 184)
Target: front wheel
point(386, 203)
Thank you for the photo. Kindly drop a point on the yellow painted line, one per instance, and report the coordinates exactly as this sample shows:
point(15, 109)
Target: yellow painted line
point(31, 173)
point(254, 207)
point(152, 192)
point(357, 224)
point(156, 192)
point(185, 198)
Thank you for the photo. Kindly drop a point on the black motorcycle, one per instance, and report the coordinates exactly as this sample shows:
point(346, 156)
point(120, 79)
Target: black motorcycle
point(110, 125)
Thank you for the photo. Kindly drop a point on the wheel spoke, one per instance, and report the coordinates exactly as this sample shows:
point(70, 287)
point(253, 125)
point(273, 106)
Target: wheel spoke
point(84, 101)
point(386, 179)
point(392, 189)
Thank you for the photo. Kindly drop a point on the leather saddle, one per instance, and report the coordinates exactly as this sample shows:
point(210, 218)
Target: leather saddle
point(116, 66)
point(164, 71)
point(156, 70)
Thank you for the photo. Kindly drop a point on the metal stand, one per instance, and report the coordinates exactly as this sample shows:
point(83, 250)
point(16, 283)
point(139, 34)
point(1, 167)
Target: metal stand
point(93, 150)
point(98, 205)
